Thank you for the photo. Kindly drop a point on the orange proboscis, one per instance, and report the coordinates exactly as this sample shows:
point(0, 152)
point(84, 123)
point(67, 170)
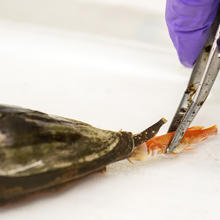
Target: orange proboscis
point(193, 135)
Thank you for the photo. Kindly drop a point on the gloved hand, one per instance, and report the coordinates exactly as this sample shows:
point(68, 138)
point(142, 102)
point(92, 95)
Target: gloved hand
point(188, 23)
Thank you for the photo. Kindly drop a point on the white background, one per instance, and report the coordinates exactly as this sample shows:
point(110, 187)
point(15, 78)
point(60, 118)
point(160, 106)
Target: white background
point(111, 64)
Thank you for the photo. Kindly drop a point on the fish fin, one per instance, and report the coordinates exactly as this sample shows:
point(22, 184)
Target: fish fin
point(189, 149)
point(130, 159)
point(205, 138)
point(172, 154)
point(196, 128)
point(140, 153)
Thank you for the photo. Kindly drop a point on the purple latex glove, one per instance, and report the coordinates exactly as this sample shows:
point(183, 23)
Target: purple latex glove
point(188, 23)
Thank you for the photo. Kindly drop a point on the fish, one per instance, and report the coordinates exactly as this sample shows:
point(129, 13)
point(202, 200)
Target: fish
point(40, 152)
point(157, 145)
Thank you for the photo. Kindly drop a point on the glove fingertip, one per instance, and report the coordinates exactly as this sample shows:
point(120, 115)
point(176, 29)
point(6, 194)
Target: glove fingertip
point(188, 24)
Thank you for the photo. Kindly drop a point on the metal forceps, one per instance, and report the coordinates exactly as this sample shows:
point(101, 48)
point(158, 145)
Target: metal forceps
point(201, 81)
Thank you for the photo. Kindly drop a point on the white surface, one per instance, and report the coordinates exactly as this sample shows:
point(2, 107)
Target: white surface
point(116, 70)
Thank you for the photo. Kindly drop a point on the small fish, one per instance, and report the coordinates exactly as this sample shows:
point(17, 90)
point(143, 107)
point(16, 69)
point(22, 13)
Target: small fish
point(157, 145)
point(41, 152)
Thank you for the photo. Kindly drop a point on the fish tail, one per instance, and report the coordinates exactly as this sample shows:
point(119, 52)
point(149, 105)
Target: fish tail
point(195, 136)
point(213, 130)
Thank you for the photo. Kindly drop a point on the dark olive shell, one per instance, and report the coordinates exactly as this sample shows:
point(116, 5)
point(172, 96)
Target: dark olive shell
point(39, 151)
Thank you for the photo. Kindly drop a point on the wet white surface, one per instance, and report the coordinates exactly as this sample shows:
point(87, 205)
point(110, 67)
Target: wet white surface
point(112, 65)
